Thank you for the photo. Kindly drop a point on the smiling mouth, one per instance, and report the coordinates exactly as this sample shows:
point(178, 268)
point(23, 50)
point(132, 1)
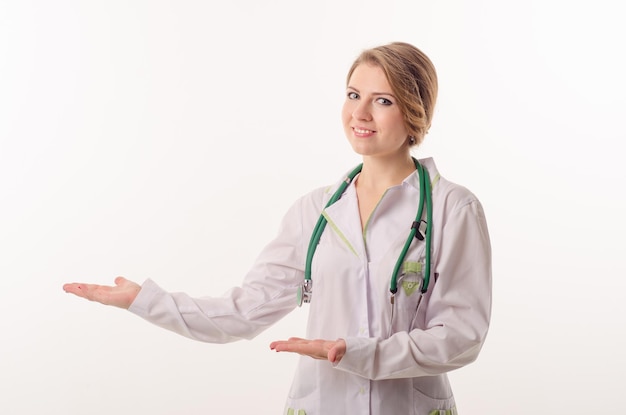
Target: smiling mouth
point(362, 131)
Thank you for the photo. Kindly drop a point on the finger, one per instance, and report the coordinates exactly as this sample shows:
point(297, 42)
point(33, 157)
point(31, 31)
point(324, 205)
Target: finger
point(316, 349)
point(291, 340)
point(337, 351)
point(332, 355)
point(285, 346)
point(282, 346)
point(91, 292)
point(278, 345)
point(76, 288)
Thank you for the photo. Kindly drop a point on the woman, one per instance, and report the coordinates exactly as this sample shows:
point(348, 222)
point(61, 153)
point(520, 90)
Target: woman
point(369, 350)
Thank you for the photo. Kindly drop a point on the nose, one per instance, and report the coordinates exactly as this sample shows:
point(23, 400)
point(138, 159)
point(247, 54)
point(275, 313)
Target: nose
point(362, 111)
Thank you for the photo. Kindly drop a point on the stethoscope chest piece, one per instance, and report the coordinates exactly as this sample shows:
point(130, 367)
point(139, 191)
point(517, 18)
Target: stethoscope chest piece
point(305, 292)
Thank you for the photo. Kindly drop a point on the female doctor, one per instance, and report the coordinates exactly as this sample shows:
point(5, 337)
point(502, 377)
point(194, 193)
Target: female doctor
point(398, 284)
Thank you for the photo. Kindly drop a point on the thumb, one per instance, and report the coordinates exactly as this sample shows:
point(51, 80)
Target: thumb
point(120, 281)
point(337, 351)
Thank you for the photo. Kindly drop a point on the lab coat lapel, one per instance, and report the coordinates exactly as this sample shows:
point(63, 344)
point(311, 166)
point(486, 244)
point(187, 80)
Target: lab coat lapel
point(343, 219)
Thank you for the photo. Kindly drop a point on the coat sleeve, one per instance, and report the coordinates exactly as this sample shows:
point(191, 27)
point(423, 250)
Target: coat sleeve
point(457, 314)
point(267, 293)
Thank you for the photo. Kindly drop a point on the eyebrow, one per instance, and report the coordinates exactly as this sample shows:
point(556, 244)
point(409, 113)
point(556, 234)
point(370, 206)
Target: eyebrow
point(373, 93)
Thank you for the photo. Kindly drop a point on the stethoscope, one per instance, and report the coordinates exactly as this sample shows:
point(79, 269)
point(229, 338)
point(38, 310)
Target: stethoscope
point(305, 291)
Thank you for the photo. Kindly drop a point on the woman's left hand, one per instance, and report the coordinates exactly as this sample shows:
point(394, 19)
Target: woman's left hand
point(329, 350)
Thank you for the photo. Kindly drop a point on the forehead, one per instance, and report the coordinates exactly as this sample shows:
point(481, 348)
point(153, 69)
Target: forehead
point(369, 77)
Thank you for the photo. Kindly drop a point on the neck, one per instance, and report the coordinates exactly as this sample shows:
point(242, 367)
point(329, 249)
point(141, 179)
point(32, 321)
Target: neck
point(382, 173)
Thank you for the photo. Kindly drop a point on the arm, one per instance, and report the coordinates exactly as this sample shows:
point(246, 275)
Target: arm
point(266, 295)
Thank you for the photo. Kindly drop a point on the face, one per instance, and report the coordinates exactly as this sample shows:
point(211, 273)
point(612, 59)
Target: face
point(372, 119)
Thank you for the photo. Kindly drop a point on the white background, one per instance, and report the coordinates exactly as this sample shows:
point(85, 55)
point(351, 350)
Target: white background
point(166, 139)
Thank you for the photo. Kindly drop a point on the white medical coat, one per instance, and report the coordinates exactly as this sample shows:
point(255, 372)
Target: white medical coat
point(397, 355)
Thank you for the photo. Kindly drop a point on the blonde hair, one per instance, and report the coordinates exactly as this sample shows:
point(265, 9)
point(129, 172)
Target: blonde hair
point(413, 81)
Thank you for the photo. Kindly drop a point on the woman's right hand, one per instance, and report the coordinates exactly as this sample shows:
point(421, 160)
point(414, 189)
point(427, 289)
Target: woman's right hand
point(121, 295)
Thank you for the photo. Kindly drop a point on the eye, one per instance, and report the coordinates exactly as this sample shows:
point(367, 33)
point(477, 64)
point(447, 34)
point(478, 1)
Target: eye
point(353, 95)
point(384, 101)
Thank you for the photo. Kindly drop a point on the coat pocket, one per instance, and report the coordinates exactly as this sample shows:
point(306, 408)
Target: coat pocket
point(303, 396)
point(408, 297)
point(426, 405)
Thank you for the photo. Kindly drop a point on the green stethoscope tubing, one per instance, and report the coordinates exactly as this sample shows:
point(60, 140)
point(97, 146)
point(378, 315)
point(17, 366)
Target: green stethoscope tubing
point(425, 199)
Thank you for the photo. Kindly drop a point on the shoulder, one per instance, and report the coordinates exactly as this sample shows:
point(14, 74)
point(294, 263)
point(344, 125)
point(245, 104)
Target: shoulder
point(309, 206)
point(317, 198)
point(453, 195)
point(447, 195)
